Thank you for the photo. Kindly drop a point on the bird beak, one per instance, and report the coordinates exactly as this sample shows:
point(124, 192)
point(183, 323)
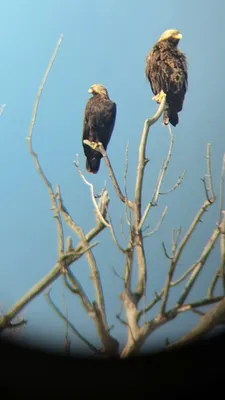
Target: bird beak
point(90, 90)
point(178, 36)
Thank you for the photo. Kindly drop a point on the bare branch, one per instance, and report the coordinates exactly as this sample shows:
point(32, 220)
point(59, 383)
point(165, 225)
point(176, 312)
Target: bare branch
point(47, 280)
point(222, 248)
point(128, 270)
point(155, 196)
point(209, 173)
point(199, 303)
point(142, 156)
point(176, 256)
point(170, 273)
point(128, 218)
point(213, 283)
point(133, 341)
point(222, 187)
point(114, 236)
point(116, 273)
point(157, 298)
point(76, 163)
point(72, 327)
point(199, 265)
point(182, 277)
point(180, 179)
point(165, 251)
point(79, 291)
point(101, 150)
point(158, 224)
point(35, 157)
point(211, 319)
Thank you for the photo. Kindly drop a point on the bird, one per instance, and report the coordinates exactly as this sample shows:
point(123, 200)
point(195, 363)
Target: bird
point(167, 72)
point(98, 124)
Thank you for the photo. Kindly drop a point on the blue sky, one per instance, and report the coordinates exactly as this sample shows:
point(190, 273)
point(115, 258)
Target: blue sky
point(104, 42)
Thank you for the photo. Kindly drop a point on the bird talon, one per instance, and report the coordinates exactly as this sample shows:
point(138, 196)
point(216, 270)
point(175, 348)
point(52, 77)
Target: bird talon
point(155, 98)
point(94, 145)
point(161, 96)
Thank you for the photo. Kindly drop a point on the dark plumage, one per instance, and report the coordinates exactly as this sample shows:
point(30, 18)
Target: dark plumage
point(98, 124)
point(166, 70)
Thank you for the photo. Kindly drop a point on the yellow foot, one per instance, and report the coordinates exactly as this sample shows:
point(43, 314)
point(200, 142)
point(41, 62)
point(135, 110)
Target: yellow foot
point(155, 98)
point(159, 97)
point(94, 145)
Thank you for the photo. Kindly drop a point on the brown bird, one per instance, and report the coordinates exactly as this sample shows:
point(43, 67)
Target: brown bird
point(166, 70)
point(98, 124)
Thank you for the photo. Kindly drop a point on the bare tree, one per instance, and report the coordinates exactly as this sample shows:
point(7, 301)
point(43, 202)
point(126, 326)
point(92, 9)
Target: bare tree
point(137, 332)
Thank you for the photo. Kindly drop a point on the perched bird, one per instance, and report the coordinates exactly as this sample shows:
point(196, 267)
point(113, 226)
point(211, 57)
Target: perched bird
point(167, 71)
point(98, 124)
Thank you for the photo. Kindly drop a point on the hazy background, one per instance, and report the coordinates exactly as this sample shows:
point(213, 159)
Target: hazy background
point(104, 42)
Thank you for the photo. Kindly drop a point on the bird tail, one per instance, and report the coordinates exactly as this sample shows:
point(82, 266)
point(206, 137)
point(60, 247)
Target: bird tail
point(93, 164)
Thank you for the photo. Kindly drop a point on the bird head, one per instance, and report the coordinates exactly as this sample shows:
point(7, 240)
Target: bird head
point(98, 89)
point(171, 34)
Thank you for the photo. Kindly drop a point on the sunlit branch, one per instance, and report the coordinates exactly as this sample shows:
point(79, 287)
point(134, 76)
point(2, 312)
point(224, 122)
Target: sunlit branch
point(128, 218)
point(155, 196)
point(76, 163)
point(142, 160)
point(209, 173)
point(101, 150)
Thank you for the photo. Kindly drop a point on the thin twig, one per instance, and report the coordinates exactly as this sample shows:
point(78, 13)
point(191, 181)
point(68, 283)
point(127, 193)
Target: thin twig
point(114, 236)
point(47, 280)
point(182, 277)
point(157, 298)
point(178, 183)
point(198, 266)
point(72, 327)
point(35, 157)
point(222, 188)
point(222, 249)
point(156, 193)
point(213, 283)
point(76, 163)
point(158, 224)
point(199, 303)
point(101, 150)
point(128, 218)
